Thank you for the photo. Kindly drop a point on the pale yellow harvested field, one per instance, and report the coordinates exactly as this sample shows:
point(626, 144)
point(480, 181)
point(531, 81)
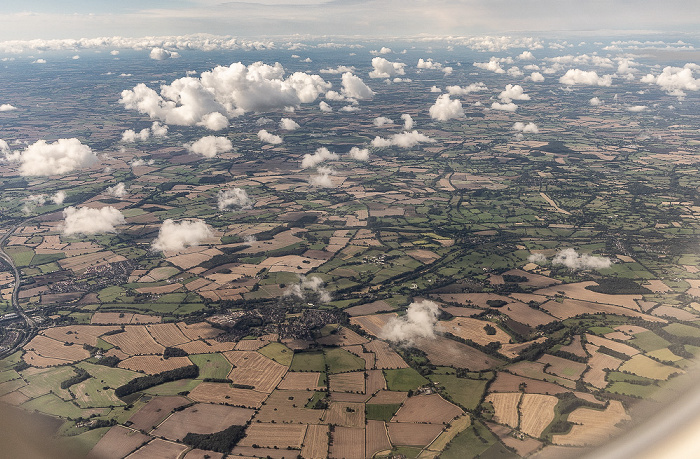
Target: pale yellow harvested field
point(15, 398)
point(268, 435)
point(386, 358)
point(348, 443)
point(78, 334)
point(473, 329)
point(570, 308)
point(202, 418)
point(255, 370)
point(152, 364)
point(598, 363)
point(222, 393)
point(536, 413)
point(168, 334)
point(80, 263)
point(347, 382)
point(347, 414)
point(410, 434)
point(300, 381)
point(656, 285)
point(387, 397)
point(37, 360)
point(422, 255)
point(376, 438)
point(610, 344)
point(138, 319)
point(505, 405)
point(427, 408)
point(250, 344)
point(375, 381)
point(199, 330)
point(291, 263)
point(514, 350)
point(575, 347)
point(315, 442)
point(448, 435)
point(443, 351)
point(641, 365)
point(190, 260)
point(374, 323)
point(110, 318)
point(160, 290)
point(206, 347)
point(593, 426)
point(159, 449)
point(52, 349)
point(135, 340)
point(118, 442)
point(578, 291)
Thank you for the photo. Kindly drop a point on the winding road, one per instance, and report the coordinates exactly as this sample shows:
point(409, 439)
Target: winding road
point(30, 329)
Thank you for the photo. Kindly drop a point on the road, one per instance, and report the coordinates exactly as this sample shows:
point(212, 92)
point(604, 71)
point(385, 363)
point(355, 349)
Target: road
point(30, 329)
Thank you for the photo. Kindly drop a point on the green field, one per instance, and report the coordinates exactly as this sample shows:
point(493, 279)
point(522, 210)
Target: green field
point(92, 394)
point(174, 387)
point(381, 412)
point(470, 443)
point(341, 361)
point(649, 341)
point(112, 377)
point(278, 352)
point(634, 390)
point(404, 379)
point(308, 361)
point(682, 330)
point(465, 392)
point(52, 404)
point(211, 365)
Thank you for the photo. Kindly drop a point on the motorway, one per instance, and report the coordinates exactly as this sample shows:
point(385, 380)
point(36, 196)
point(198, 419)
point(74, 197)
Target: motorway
point(30, 329)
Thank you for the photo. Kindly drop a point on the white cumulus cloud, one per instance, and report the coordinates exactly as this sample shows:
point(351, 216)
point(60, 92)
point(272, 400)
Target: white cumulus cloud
point(85, 220)
point(403, 140)
point(161, 54)
point(513, 92)
point(407, 122)
point(118, 190)
point(445, 109)
point(321, 154)
point(577, 262)
point(175, 236)
point(308, 289)
point(210, 146)
point(236, 197)
point(359, 154)
point(509, 107)
point(269, 138)
point(288, 124)
point(7, 108)
point(529, 128)
point(591, 78)
point(675, 80)
point(464, 90)
point(354, 87)
point(382, 120)
point(323, 178)
point(420, 321)
point(60, 157)
point(385, 69)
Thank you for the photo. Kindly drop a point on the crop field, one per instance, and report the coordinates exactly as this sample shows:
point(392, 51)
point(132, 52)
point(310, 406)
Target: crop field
point(289, 406)
point(173, 387)
point(443, 351)
point(78, 334)
point(642, 365)
point(152, 364)
point(385, 357)
point(347, 382)
point(375, 381)
point(211, 365)
point(376, 438)
point(348, 443)
point(373, 324)
point(471, 442)
point(404, 379)
point(610, 344)
point(253, 369)
point(308, 361)
point(202, 418)
point(506, 407)
point(381, 412)
point(570, 308)
point(591, 427)
point(300, 381)
point(155, 411)
point(410, 434)
point(474, 330)
point(347, 414)
point(536, 413)
point(278, 352)
point(315, 442)
point(388, 397)
point(343, 337)
point(206, 347)
point(281, 436)
point(562, 367)
point(53, 405)
point(341, 361)
point(199, 330)
point(427, 408)
point(168, 334)
point(521, 444)
point(53, 349)
point(649, 341)
point(159, 449)
point(92, 393)
point(118, 442)
point(43, 381)
point(535, 370)
point(135, 340)
point(466, 392)
point(208, 392)
point(598, 363)
point(250, 344)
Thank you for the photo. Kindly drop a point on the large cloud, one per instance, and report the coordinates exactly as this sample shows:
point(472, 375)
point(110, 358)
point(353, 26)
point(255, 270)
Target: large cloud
point(419, 322)
point(386, 69)
point(675, 80)
point(403, 140)
point(175, 236)
point(577, 262)
point(210, 146)
point(60, 157)
point(445, 109)
point(7, 108)
point(320, 155)
point(160, 54)
point(577, 76)
point(85, 220)
point(513, 92)
point(236, 197)
point(226, 91)
point(288, 124)
point(359, 154)
point(355, 88)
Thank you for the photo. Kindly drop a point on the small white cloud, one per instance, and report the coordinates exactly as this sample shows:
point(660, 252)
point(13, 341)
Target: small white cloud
point(572, 260)
point(210, 146)
point(407, 122)
point(59, 197)
point(464, 90)
point(118, 190)
point(323, 178)
point(7, 108)
point(445, 109)
point(160, 54)
point(428, 64)
point(350, 108)
point(515, 72)
point(324, 107)
point(577, 76)
point(420, 321)
point(435, 89)
point(338, 70)
point(236, 197)
point(537, 258)
point(493, 65)
point(385, 69)
point(636, 108)
point(359, 154)
point(595, 101)
point(85, 220)
point(536, 77)
point(288, 124)
point(60, 157)
point(403, 140)
point(130, 136)
point(354, 87)
point(159, 130)
point(382, 120)
point(214, 121)
point(675, 80)
point(321, 154)
point(509, 107)
point(175, 236)
point(513, 92)
point(39, 61)
point(529, 128)
point(266, 137)
point(308, 289)
point(114, 52)
point(383, 50)
point(526, 56)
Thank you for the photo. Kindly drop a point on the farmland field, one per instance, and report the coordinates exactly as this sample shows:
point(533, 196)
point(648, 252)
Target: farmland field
point(404, 379)
point(465, 392)
point(211, 365)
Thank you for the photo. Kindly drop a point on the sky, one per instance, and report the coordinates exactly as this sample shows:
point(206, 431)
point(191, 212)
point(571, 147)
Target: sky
point(48, 19)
